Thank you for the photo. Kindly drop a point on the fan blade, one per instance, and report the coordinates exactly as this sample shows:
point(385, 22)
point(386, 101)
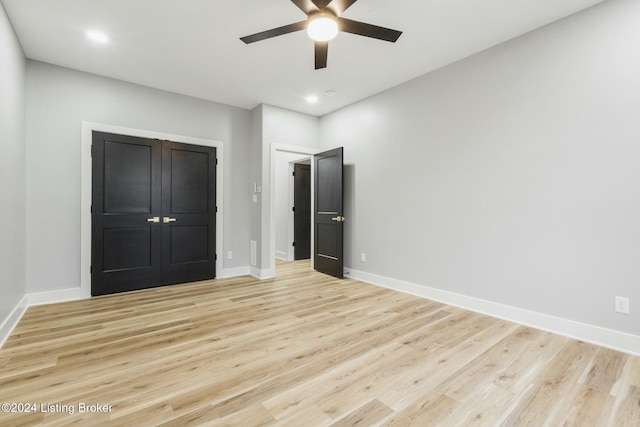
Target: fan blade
point(307, 6)
point(322, 51)
point(339, 6)
point(286, 29)
point(368, 30)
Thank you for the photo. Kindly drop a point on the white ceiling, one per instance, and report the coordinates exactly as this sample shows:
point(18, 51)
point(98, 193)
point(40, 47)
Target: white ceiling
point(192, 47)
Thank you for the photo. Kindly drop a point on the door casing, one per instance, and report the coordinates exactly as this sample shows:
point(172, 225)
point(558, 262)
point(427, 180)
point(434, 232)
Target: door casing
point(84, 291)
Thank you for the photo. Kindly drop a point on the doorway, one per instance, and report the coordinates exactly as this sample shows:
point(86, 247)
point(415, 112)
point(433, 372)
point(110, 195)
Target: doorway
point(282, 158)
point(286, 208)
point(331, 249)
point(153, 213)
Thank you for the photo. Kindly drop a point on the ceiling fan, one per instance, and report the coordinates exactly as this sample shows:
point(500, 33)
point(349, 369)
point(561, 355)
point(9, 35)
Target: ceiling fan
point(323, 23)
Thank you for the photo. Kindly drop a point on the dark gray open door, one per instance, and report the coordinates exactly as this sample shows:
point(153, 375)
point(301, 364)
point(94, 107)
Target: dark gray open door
point(328, 219)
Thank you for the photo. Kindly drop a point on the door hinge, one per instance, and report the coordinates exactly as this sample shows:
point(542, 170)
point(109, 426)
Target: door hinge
point(216, 209)
point(293, 208)
point(216, 257)
point(91, 209)
point(293, 174)
point(293, 244)
point(216, 160)
point(91, 269)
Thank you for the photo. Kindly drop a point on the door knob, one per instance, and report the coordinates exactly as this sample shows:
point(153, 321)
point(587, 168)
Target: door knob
point(338, 218)
point(166, 219)
point(154, 219)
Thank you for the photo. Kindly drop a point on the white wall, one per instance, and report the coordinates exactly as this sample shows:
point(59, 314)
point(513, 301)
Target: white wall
point(58, 101)
point(12, 171)
point(512, 176)
point(291, 128)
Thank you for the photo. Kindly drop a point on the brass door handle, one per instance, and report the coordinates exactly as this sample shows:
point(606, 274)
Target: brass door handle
point(166, 219)
point(338, 219)
point(154, 219)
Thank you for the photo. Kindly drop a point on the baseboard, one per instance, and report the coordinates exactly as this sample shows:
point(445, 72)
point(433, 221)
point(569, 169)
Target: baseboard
point(615, 340)
point(282, 255)
point(71, 294)
point(235, 272)
point(52, 297)
point(12, 320)
point(262, 274)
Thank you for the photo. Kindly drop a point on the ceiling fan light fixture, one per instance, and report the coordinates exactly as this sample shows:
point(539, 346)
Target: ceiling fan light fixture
point(323, 24)
point(322, 27)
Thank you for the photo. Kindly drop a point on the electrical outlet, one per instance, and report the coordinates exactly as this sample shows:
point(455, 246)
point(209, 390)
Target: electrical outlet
point(363, 257)
point(230, 255)
point(622, 305)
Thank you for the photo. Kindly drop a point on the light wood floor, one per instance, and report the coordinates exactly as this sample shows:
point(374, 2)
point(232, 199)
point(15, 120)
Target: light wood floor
point(303, 350)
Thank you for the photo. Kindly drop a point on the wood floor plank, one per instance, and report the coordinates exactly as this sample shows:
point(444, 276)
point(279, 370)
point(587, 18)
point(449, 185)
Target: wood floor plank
point(331, 381)
point(485, 407)
point(604, 370)
point(519, 373)
point(548, 395)
point(587, 407)
point(427, 411)
point(303, 349)
point(369, 414)
point(628, 413)
point(308, 415)
point(441, 363)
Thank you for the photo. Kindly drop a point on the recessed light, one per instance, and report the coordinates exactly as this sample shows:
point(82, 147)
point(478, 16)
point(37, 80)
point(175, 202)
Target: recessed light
point(312, 99)
point(97, 37)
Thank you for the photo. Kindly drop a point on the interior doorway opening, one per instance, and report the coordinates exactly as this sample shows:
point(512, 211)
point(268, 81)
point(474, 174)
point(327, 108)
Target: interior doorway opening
point(283, 159)
point(287, 208)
